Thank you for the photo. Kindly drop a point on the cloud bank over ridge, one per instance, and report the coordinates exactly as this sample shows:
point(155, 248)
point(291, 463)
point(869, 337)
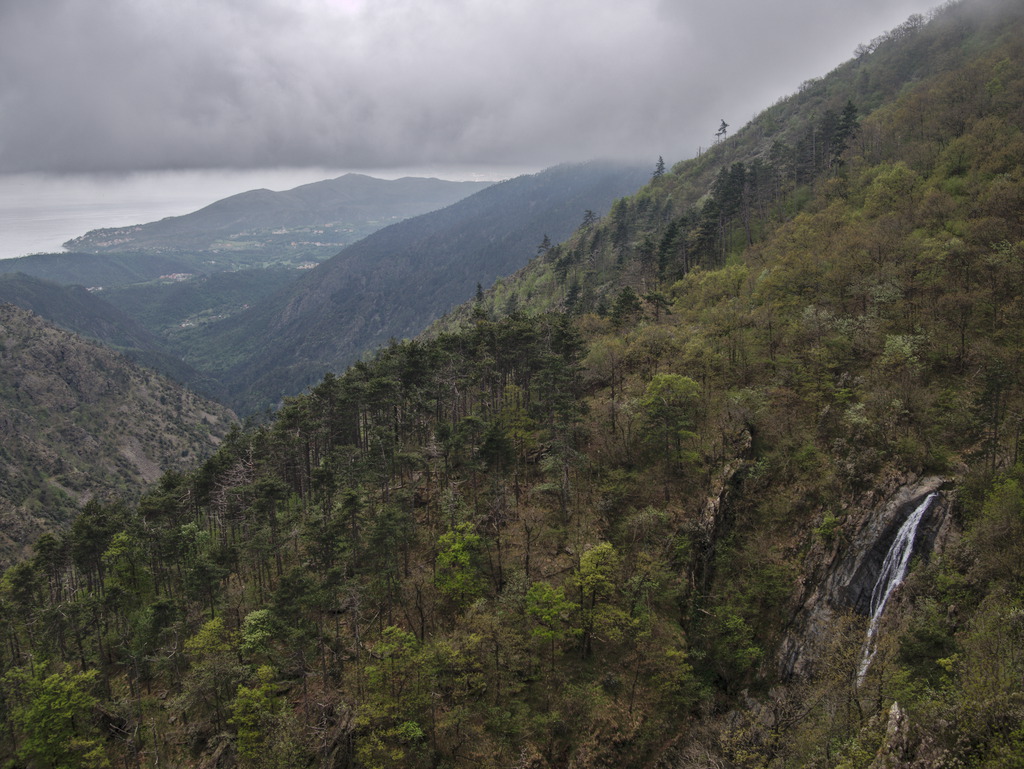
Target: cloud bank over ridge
point(128, 85)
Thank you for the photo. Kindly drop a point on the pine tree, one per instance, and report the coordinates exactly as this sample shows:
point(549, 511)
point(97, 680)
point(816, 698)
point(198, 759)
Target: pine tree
point(722, 131)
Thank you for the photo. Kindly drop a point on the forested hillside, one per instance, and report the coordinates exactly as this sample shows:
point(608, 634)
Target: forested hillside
point(86, 314)
point(911, 96)
point(99, 270)
point(312, 221)
point(600, 516)
point(393, 283)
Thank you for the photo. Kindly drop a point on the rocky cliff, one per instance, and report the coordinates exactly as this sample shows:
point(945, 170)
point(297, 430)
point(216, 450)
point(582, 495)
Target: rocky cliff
point(843, 565)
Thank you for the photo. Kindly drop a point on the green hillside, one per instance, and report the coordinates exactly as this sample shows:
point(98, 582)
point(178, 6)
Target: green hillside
point(629, 507)
point(99, 270)
point(312, 221)
point(910, 93)
point(170, 309)
point(113, 323)
point(393, 283)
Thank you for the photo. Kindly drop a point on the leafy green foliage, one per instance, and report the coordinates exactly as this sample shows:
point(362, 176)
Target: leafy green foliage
point(54, 715)
point(457, 571)
point(576, 538)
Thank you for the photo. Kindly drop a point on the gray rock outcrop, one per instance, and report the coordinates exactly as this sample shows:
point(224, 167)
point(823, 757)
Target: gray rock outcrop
point(841, 573)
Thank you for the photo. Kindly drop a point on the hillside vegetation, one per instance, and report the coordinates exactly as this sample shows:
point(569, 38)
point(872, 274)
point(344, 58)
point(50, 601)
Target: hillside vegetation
point(913, 96)
point(85, 313)
point(312, 221)
point(572, 525)
point(82, 423)
point(393, 283)
point(99, 270)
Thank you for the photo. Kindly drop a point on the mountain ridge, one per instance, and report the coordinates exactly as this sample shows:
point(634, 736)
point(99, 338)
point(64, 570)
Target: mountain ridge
point(326, 214)
point(342, 309)
point(631, 517)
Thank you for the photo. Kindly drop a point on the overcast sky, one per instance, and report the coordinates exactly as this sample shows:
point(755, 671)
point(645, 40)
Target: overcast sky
point(124, 85)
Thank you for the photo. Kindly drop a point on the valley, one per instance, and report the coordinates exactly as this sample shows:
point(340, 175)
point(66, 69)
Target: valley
point(82, 425)
point(261, 333)
point(715, 464)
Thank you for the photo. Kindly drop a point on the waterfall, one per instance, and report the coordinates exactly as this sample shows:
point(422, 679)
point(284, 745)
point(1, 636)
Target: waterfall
point(894, 569)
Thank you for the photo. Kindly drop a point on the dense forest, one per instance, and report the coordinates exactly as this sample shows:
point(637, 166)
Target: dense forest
point(393, 283)
point(575, 523)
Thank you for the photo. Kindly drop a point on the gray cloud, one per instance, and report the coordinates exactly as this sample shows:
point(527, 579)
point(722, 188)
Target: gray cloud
point(122, 85)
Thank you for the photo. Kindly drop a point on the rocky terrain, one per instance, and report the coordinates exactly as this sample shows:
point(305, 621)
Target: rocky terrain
point(80, 421)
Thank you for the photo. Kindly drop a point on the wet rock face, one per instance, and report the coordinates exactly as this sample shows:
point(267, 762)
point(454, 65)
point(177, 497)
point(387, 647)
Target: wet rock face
point(875, 545)
point(841, 577)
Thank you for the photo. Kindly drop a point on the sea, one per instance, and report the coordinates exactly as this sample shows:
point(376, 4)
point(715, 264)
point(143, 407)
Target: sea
point(39, 213)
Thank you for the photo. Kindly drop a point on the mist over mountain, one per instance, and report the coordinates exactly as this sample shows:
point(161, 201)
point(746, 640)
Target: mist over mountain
point(395, 282)
point(731, 476)
point(360, 84)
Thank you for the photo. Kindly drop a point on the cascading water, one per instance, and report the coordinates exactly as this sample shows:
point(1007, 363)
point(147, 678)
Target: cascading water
point(894, 569)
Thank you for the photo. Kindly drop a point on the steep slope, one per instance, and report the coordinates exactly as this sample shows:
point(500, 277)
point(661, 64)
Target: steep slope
point(588, 538)
point(169, 308)
point(393, 283)
point(736, 192)
point(84, 313)
point(81, 422)
point(312, 218)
